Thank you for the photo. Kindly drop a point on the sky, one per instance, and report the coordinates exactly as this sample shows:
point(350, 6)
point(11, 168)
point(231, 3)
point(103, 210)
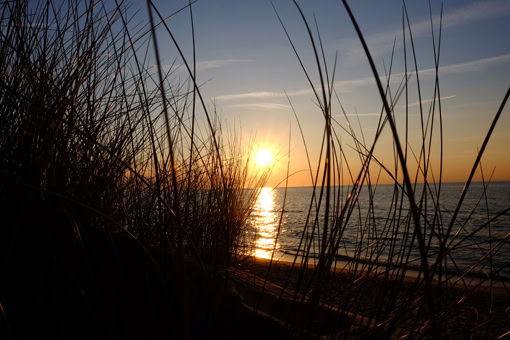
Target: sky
point(251, 76)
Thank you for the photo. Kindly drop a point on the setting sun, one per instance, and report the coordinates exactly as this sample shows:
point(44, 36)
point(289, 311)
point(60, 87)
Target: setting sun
point(263, 157)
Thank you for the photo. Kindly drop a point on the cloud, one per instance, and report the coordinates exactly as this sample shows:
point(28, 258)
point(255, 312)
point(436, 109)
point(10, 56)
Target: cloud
point(345, 85)
point(476, 11)
point(381, 42)
point(470, 65)
point(424, 101)
point(205, 64)
point(481, 10)
point(467, 66)
point(257, 94)
point(270, 106)
point(370, 114)
point(263, 94)
point(209, 64)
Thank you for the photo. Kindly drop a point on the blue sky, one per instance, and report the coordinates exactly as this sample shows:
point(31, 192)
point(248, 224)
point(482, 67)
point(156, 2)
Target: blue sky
point(245, 63)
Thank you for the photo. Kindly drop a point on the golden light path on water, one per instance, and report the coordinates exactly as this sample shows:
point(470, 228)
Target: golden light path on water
point(266, 223)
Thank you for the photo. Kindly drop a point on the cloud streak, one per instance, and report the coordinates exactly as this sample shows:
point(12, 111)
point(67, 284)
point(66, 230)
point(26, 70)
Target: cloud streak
point(470, 65)
point(473, 65)
point(380, 43)
point(206, 64)
point(370, 114)
point(425, 101)
point(477, 11)
point(256, 94)
point(268, 106)
point(263, 95)
point(210, 64)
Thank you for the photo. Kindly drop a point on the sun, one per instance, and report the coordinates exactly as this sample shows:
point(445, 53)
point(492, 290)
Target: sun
point(263, 157)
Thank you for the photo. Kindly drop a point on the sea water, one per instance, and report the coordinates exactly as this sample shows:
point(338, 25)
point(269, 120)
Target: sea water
point(378, 227)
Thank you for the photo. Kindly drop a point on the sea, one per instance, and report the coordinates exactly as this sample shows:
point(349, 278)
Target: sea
point(376, 226)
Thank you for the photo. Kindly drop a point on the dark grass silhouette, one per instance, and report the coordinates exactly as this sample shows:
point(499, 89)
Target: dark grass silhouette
point(123, 216)
point(97, 215)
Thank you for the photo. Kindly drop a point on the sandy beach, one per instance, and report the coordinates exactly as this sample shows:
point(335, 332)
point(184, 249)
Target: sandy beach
point(357, 299)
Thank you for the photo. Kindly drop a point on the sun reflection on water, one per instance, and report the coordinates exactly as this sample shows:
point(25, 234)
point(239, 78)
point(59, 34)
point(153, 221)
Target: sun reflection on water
point(265, 223)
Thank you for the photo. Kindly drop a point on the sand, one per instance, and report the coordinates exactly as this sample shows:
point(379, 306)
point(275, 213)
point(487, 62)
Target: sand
point(364, 300)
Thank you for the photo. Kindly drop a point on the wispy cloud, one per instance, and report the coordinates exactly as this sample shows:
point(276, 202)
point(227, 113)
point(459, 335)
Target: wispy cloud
point(470, 65)
point(381, 42)
point(370, 114)
point(256, 94)
point(345, 85)
point(269, 106)
point(425, 101)
point(209, 64)
point(467, 66)
point(263, 94)
point(206, 64)
point(477, 11)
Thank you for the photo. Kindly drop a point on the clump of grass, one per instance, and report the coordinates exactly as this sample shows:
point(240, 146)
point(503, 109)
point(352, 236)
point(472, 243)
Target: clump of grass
point(99, 144)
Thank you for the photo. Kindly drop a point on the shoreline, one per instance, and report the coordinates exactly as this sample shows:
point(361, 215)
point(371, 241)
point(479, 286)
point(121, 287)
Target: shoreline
point(468, 283)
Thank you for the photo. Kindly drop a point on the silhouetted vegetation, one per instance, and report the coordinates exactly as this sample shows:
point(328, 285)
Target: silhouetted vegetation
point(123, 201)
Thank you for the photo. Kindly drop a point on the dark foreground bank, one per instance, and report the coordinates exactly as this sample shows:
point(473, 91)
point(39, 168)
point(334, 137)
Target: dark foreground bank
point(106, 285)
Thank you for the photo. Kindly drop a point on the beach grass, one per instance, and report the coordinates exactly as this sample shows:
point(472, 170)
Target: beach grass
point(125, 203)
